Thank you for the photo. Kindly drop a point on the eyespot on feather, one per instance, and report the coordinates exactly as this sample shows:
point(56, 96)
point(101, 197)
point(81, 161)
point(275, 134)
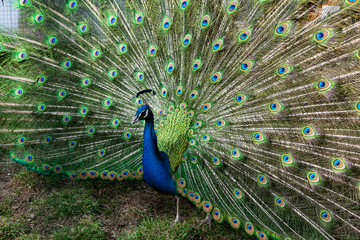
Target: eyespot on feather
point(308, 132)
point(313, 177)
point(205, 21)
point(261, 236)
point(275, 106)
point(322, 35)
point(280, 202)
point(338, 164)
point(282, 28)
point(217, 45)
point(193, 95)
point(152, 51)
point(179, 91)
point(258, 137)
point(183, 4)
point(287, 159)
point(284, 70)
point(166, 24)
point(186, 40)
point(324, 85)
point(249, 228)
point(244, 35)
point(246, 65)
point(234, 222)
point(232, 6)
point(216, 77)
point(112, 20)
point(261, 178)
point(325, 216)
point(240, 98)
point(170, 67)
point(196, 65)
point(139, 18)
point(235, 153)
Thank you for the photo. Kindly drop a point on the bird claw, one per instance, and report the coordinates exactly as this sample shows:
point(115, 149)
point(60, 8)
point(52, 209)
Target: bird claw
point(205, 220)
point(177, 219)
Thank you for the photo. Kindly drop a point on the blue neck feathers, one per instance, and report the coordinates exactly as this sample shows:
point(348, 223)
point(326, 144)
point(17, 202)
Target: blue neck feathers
point(156, 165)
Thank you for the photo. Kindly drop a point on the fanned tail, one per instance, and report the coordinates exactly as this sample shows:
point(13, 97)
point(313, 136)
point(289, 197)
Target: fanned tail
point(270, 91)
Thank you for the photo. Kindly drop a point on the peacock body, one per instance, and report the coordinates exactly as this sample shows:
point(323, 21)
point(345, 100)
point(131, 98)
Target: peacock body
point(256, 117)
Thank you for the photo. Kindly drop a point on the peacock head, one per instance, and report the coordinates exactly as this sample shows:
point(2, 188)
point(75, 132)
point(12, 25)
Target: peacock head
point(143, 113)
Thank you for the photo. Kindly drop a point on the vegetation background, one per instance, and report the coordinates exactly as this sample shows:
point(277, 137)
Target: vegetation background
point(34, 206)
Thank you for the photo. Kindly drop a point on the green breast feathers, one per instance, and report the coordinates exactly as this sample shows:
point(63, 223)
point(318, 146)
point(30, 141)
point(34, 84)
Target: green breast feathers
point(173, 136)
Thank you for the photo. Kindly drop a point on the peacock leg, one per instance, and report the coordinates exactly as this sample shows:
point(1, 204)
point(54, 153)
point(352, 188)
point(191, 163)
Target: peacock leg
point(177, 219)
point(205, 220)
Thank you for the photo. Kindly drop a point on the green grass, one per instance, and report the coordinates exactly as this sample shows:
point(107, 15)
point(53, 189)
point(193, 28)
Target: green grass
point(66, 203)
point(43, 207)
point(85, 229)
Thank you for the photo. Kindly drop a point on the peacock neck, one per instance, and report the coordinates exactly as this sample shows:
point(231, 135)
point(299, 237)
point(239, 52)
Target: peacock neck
point(150, 140)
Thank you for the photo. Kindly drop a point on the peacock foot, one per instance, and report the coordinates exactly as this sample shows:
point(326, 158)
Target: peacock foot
point(205, 220)
point(177, 219)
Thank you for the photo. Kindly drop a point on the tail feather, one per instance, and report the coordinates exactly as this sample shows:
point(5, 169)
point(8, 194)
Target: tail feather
point(271, 90)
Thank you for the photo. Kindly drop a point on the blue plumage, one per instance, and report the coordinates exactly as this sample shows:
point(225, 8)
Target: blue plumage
point(156, 165)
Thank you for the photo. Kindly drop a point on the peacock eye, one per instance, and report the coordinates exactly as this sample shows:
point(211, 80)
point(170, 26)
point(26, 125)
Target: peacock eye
point(205, 21)
point(152, 51)
point(85, 82)
point(193, 95)
point(284, 70)
point(338, 164)
point(282, 28)
point(235, 153)
point(166, 23)
point(246, 65)
point(183, 4)
point(244, 35)
point(322, 35)
point(259, 137)
point(23, 2)
point(313, 177)
point(221, 123)
point(179, 91)
point(216, 77)
point(112, 20)
point(262, 179)
point(325, 216)
point(96, 53)
point(196, 65)
point(122, 48)
point(261, 236)
point(324, 85)
point(279, 202)
point(287, 159)
point(83, 111)
point(232, 6)
point(186, 40)
point(241, 98)
point(170, 67)
point(206, 107)
point(83, 28)
point(52, 41)
point(308, 132)
point(275, 106)
point(72, 5)
point(217, 45)
point(39, 18)
point(249, 228)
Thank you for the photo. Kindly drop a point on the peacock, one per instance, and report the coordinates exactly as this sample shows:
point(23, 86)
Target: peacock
point(248, 109)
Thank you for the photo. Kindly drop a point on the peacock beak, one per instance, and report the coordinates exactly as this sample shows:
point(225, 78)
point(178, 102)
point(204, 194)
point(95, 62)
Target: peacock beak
point(136, 119)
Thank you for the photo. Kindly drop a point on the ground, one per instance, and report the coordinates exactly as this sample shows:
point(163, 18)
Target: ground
point(33, 206)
